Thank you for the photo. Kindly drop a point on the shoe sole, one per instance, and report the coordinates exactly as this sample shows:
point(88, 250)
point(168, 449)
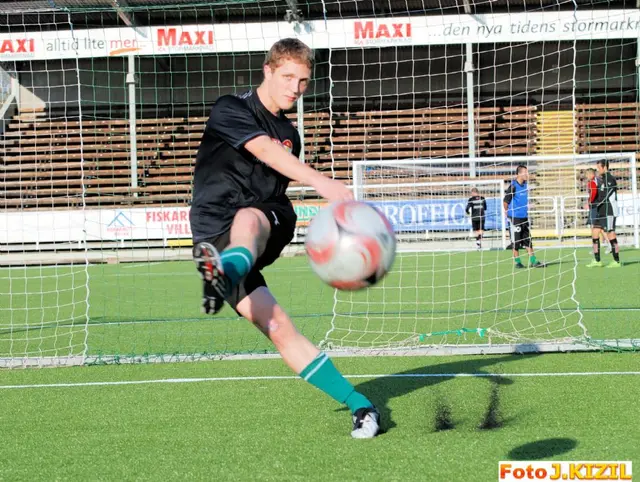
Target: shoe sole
point(208, 262)
point(209, 265)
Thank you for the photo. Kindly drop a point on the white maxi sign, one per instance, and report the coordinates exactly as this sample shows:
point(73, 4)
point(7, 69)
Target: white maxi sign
point(320, 34)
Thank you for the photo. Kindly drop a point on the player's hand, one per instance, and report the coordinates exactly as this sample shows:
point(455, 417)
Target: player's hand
point(333, 190)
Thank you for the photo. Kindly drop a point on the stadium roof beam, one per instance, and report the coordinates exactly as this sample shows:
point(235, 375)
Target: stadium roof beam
point(294, 14)
point(128, 21)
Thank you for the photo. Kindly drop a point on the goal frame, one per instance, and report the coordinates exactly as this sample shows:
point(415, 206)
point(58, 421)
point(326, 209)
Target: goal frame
point(474, 162)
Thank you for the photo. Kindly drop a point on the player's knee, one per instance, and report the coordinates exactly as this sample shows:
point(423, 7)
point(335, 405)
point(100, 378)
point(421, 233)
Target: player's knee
point(250, 222)
point(279, 328)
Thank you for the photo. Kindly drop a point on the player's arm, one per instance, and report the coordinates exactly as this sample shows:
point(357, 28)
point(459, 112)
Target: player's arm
point(484, 205)
point(276, 157)
point(508, 197)
point(468, 208)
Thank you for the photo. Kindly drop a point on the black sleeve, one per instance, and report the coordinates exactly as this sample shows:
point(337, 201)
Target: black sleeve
point(509, 194)
point(232, 120)
point(468, 208)
point(484, 205)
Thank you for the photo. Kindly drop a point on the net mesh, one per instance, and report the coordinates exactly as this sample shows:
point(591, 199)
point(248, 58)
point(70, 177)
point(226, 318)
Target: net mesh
point(103, 109)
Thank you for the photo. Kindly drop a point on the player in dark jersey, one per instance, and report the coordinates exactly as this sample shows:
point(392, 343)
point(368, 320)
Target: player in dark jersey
point(241, 218)
point(516, 207)
point(477, 208)
point(605, 221)
point(591, 206)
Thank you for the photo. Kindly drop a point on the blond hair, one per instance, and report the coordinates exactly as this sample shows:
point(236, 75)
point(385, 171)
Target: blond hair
point(289, 48)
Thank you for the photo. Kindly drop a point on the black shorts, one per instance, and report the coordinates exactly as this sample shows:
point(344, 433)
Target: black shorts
point(604, 222)
point(477, 223)
point(593, 214)
point(282, 219)
point(520, 234)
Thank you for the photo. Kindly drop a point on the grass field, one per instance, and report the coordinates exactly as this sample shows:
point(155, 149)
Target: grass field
point(254, 420)
point(153, 308)
point(283, 429)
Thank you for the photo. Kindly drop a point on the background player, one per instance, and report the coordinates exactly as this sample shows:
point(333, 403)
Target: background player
point(516, 207)
point(591, 204)
point(247, 156)
point(607, 209)
point(477, 208)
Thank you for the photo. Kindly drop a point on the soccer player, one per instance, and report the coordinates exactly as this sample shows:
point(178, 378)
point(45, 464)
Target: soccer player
point(592, 189)
point(605, 221)
point(516, 207)
point(476, 208)
point(241, 218)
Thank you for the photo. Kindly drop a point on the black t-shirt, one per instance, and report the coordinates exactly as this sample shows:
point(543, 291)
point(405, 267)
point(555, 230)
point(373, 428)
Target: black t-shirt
point(476, 206)
point(607, 200)
point(227, 177)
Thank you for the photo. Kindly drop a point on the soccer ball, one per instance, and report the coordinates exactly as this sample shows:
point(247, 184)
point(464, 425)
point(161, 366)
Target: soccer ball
point(350, 244)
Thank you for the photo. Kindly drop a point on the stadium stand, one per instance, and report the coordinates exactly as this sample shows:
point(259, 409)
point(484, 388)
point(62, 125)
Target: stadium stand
point(42, 157)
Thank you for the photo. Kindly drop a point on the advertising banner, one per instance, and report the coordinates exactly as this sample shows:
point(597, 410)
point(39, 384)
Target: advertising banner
point(436, 214)
point(321, 34)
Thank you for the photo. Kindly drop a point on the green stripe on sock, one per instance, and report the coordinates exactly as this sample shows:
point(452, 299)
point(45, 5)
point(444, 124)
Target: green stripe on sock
point(517, 260)
point(236, 263)
point(533, 259)
point(322, 374)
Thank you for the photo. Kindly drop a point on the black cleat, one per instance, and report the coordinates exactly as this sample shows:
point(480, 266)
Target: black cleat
point(519, 265)
point(366, 423)
point(537, 264)
point(215, 283)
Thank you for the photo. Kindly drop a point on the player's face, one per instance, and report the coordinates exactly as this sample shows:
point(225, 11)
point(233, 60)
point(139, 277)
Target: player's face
point(591, 175)
point(287, 82)
point(524, 175)
point(600, 169)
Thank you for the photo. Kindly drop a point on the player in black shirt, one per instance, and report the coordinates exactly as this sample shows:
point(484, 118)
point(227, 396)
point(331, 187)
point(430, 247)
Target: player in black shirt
point(607, 210)
point(477, 208)
point(241, 218)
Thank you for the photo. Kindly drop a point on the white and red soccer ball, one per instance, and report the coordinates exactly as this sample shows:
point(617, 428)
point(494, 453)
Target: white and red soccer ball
point(351, 245)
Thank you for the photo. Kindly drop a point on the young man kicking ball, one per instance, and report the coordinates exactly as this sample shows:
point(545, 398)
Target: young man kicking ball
point(242, 219)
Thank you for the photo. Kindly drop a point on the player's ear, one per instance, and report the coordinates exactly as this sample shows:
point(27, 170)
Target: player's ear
point(267, 71)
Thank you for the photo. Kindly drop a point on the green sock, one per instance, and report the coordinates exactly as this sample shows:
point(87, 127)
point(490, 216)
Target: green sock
point(236, 263)
point(533, 259)
point(322, 374)
point(517, 260)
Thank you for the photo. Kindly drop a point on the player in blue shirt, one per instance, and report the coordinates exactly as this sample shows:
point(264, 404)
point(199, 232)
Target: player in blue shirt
point(516, 207)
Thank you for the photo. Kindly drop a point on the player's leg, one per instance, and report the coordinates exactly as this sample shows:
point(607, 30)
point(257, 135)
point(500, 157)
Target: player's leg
point(596, 229)
point(613, 241)
point(303, 357)
point(515, 229)
point(514, 234)
point(528, 244)
point(475, 225)
point(221, 272)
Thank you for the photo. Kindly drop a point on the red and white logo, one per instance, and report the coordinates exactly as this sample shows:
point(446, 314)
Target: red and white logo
point(172, 37)
point(18, 46)
point(287, 144)
point(370, 32)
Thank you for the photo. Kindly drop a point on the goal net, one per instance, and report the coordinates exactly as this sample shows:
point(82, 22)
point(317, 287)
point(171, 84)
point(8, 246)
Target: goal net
point(447, 289)
point(103, 108)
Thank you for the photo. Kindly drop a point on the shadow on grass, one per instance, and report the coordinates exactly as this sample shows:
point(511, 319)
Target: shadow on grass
point(381, 390)
point(542, 449)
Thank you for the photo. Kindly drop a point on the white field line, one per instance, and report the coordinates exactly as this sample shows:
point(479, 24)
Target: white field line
point(290, 377)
